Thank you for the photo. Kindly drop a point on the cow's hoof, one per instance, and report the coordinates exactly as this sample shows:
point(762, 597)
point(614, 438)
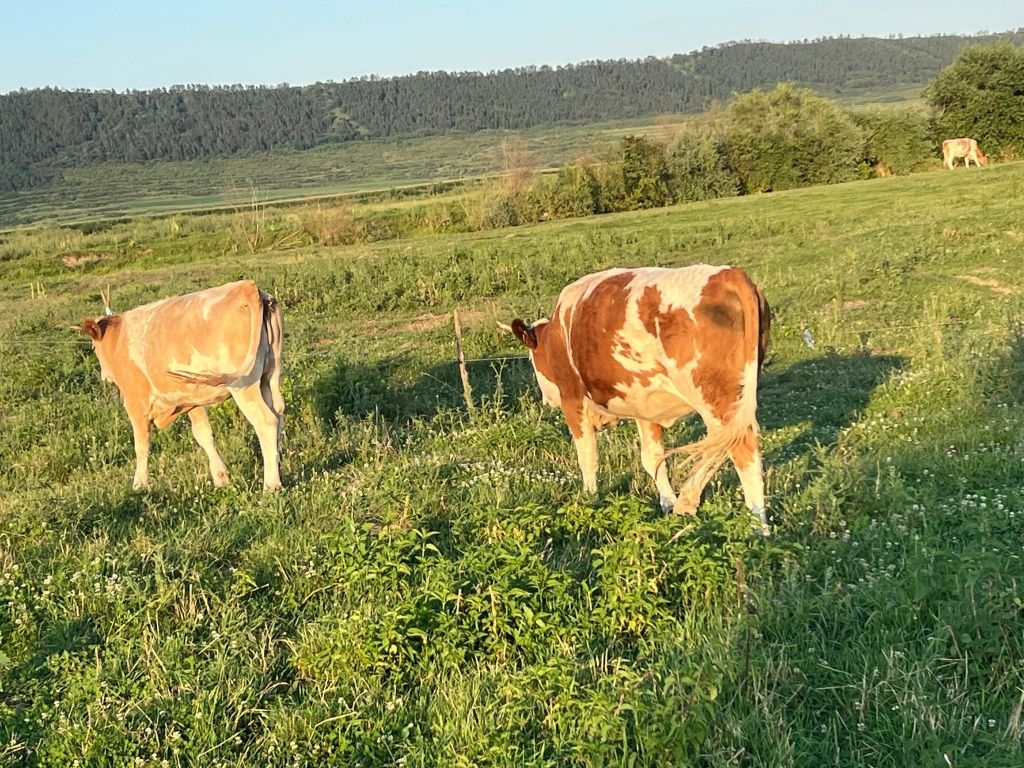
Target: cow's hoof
point(667, 504)
point(682, 507)
point(271, 487)
point(761, 520)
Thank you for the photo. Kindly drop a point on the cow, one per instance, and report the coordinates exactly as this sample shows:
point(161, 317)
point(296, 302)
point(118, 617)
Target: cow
point(181, 354)
point(968, 149)
point(654, 345)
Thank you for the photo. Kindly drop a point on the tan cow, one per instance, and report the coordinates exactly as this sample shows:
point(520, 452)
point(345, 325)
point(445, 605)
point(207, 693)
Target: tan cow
point(654, 345)
point(181, 354)
point(968, 149)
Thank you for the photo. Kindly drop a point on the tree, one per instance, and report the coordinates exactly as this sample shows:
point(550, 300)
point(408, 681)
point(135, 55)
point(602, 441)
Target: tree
point(698, 160)
point(645, 175)
point(896, 140)
point(981, 95)
point(789, 137)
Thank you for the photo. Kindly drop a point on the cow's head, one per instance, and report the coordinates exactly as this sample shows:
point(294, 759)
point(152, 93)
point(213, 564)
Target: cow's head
point(101, 331)
point(982, 157)
point(535, 338)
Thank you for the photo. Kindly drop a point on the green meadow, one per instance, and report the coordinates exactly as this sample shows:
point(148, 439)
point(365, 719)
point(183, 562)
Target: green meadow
point(121, 190)
point(433, 588)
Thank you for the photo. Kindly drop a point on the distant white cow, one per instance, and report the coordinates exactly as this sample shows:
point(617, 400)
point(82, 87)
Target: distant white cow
point(968, 149)
point(183, 353)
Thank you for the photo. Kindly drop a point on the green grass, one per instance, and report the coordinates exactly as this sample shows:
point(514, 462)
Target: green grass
point(431, 589)
point(117, 190)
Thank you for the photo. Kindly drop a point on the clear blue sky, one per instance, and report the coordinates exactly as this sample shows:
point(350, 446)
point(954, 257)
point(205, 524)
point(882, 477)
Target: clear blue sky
point(143, 44)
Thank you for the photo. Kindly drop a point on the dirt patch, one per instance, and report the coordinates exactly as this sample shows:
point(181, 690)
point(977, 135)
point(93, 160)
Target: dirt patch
point(429, 322)
point(78, 258)
point(854, 304)
point(993, 285)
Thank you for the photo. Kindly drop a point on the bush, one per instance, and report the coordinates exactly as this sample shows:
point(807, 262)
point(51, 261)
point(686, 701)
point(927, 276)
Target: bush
point(896, 140)
point(698, 163)
point(645, 176)
point(789, 137)
point(574, 192)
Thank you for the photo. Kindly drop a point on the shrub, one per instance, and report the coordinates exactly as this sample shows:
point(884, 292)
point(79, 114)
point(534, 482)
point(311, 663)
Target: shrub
point(574, 192)
point(645, 176)
point(698, 163)
point(789, 137)
point(896, 140)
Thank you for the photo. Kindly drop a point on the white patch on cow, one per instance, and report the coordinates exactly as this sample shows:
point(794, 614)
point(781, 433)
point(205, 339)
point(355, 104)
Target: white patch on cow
point(550, 394)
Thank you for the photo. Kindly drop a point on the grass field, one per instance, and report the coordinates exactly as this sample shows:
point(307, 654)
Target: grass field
point(434, 589)
point(117, 190)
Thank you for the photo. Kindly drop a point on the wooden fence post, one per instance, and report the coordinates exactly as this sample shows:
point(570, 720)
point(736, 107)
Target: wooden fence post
point(467, 390)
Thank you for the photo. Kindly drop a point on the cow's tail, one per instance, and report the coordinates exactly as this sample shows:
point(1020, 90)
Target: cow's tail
point(272, 324)
point(709, 453)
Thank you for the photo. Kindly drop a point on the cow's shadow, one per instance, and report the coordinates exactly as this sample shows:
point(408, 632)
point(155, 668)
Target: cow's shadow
point(822, 395)
point(813, 399)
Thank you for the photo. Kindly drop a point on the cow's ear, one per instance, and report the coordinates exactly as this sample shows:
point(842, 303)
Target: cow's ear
point(90, 328)
point(95, 329)
point(524, 333)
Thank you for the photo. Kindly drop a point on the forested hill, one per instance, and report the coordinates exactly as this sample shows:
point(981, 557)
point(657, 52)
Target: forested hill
point(41, 129)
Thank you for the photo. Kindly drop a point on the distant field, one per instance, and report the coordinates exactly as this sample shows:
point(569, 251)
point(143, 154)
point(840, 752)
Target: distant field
point(118, 190)
point(432, 589)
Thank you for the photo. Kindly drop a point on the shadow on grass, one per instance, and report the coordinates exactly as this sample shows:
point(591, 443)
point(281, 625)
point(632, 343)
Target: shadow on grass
point(827, 393)
point(395, 390)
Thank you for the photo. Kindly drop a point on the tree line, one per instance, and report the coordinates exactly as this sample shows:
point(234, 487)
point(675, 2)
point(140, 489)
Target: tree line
point(46, 128)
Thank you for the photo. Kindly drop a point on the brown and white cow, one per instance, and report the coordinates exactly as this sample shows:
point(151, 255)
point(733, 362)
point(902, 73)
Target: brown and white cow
point(968, 149)
point(654, 345)
point(183, 353)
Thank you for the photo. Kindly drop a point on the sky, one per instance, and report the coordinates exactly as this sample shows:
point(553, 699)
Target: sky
point(119, 45)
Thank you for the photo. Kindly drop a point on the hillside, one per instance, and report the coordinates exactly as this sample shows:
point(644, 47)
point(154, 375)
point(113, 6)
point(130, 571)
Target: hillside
point(435, 589)
point(43, 131)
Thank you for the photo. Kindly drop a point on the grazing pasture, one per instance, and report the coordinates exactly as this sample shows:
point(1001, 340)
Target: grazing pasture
point(434, 589)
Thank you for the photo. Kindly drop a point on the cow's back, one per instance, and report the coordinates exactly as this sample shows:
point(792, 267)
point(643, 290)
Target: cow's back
point(643, 340)
point(207, 339)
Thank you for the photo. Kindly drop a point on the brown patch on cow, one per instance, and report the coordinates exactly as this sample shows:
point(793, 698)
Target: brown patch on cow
point(674, 328)
point(720, 332)
point(855, 304)
point(764, 323)
point(994, 285)
point(594, 327)
point(742, 452)
point(551, 359)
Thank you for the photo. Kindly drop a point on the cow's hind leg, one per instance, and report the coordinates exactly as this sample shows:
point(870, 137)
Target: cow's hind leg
point(270, 388)
point(266, 423)
point(203, 434)
point(746, 457)
point(652, 456)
